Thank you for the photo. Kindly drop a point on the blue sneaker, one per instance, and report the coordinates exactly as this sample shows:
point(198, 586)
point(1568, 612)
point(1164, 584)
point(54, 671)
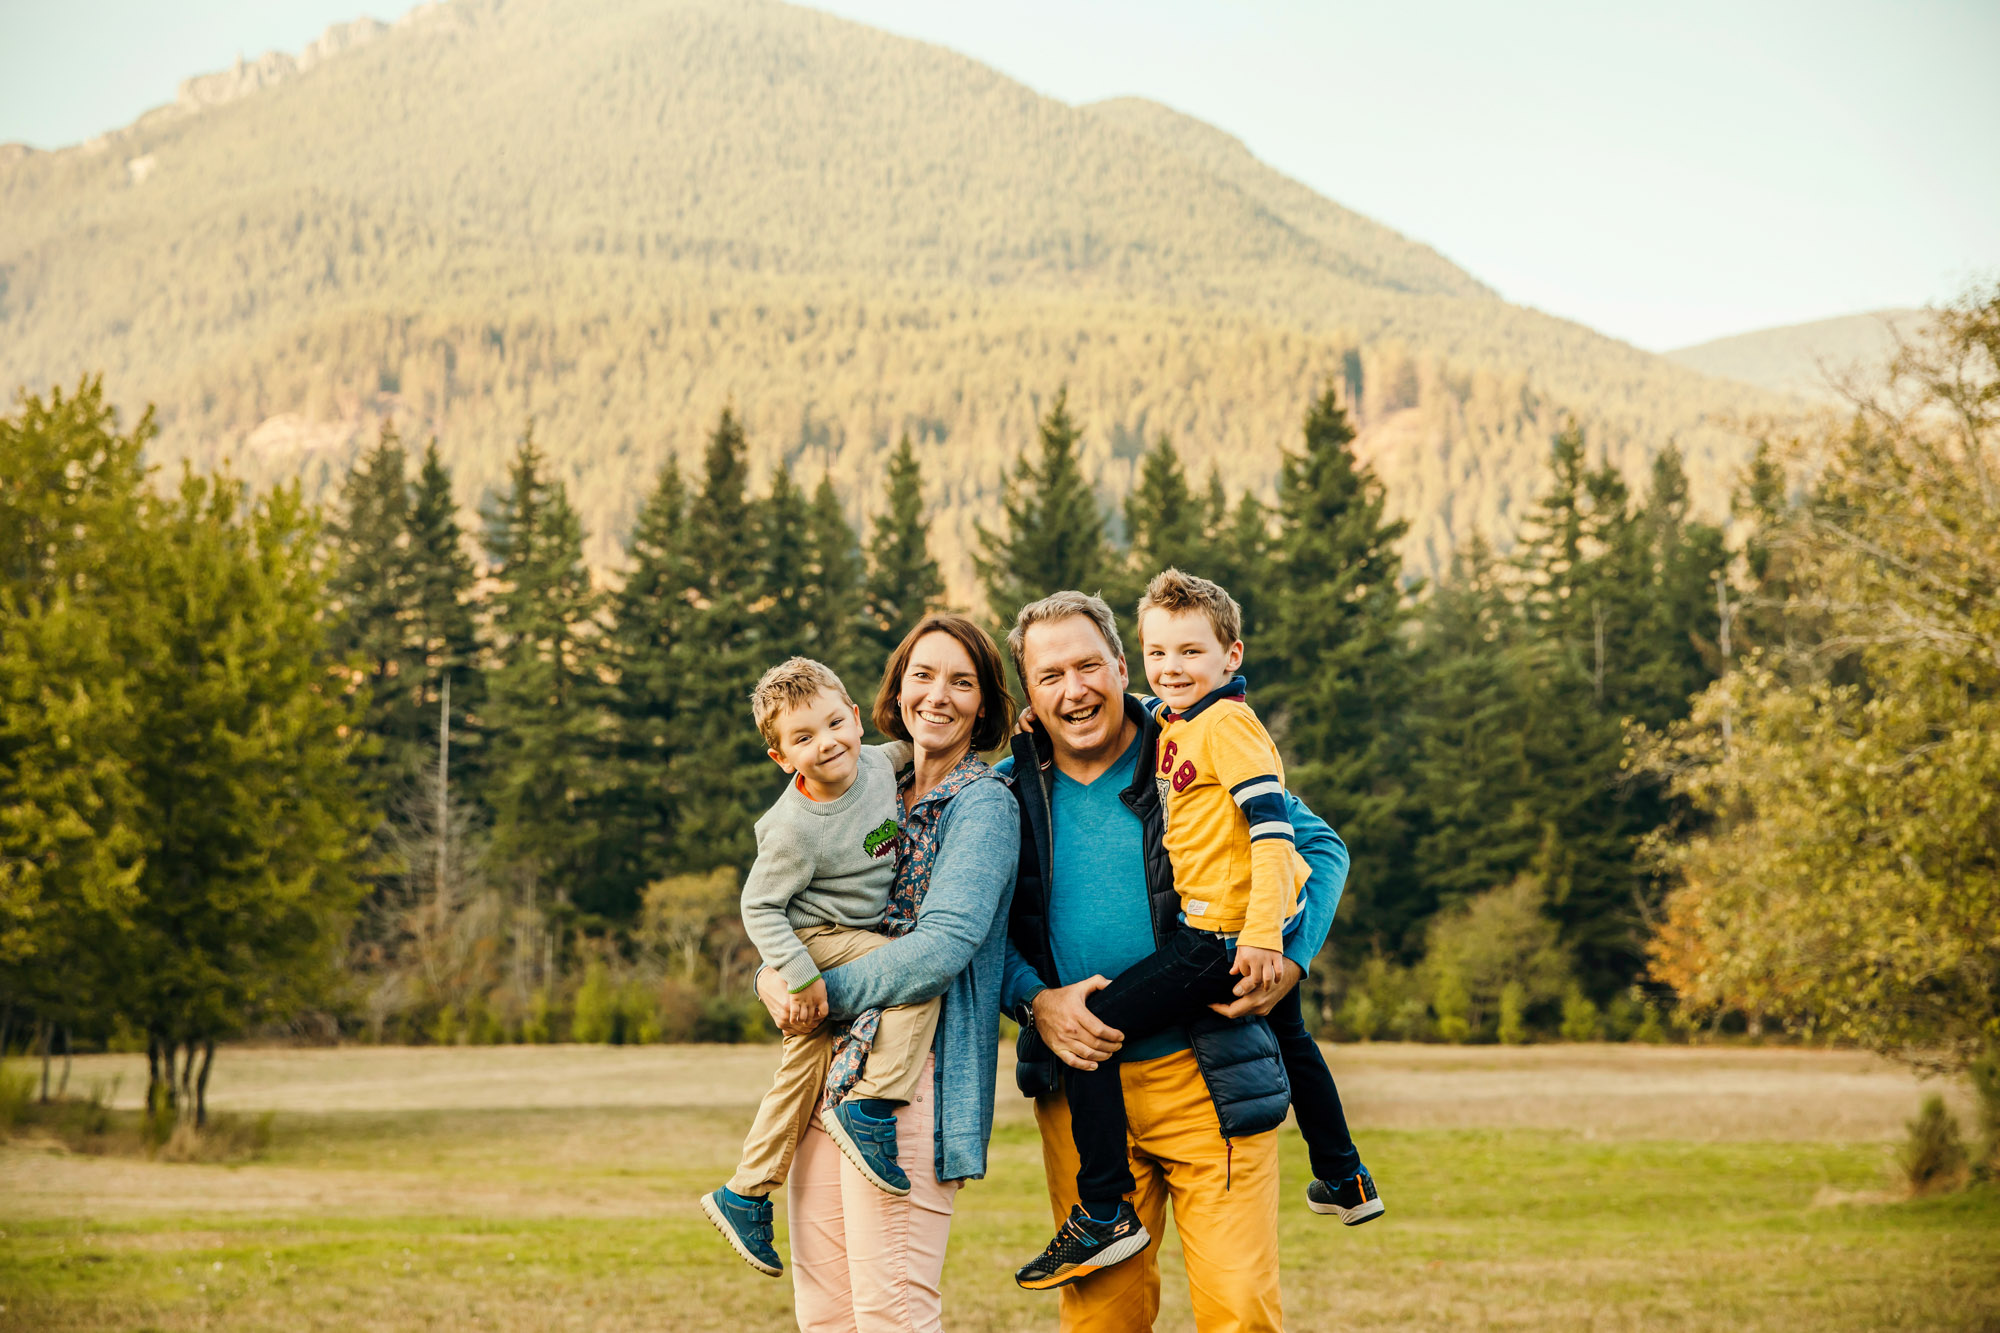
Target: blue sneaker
point(746, 1225)
point(1353, 1200)
point(870, 1143)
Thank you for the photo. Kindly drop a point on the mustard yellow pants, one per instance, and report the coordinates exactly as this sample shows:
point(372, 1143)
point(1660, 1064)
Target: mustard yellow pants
point(1225, 1201)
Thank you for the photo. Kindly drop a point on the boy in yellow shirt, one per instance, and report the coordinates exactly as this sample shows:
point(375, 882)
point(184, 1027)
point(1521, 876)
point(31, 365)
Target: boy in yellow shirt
point(1238, 875)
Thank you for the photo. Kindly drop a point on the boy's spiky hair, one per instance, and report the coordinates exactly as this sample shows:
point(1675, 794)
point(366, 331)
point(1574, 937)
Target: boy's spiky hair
point(1174, 592)
point(786, 686)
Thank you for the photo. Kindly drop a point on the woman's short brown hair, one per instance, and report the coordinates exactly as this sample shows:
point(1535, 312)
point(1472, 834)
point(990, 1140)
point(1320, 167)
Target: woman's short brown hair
point(996, 704)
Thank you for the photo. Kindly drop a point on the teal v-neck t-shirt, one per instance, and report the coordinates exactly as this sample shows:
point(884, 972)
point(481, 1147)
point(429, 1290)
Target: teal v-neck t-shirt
point(1099, 920)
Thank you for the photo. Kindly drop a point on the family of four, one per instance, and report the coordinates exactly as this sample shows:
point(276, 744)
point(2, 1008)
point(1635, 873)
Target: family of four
point(1134, 884)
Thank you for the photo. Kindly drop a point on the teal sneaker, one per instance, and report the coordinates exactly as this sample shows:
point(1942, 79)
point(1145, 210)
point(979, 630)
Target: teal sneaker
point(746, 1225)
point(870, 1143)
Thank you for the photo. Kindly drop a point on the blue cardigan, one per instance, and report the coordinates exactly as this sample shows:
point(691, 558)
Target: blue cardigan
point(957, 949)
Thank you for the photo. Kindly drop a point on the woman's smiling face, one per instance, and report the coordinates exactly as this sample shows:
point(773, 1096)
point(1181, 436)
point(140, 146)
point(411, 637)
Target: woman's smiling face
point(940, 698)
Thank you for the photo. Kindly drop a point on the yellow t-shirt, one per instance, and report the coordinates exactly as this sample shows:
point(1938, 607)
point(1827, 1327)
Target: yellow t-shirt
point(1237, 867)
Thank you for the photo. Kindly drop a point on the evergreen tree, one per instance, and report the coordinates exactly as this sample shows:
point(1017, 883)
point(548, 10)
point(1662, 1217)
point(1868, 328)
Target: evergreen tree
point(72, 832)
point(650, 617)
point(834, 596)
point(1166, 524)
point(1243, 550)
point(786, 577)
point(1472, 784)
point(903, 582)
point(547, 707)
point(1329, 662)
point(373, 591)
point(1053, 535)
point(244, 765)
point(718, 771)
point(444, 615)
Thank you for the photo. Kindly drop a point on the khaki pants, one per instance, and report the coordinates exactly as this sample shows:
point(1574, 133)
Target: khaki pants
point(895, 1066)
point(1225, 1201)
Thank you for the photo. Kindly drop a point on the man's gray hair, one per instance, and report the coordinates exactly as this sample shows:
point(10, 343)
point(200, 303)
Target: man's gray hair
point(1061, 606)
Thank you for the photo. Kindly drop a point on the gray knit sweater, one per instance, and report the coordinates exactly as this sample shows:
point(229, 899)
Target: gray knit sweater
point(823, 863)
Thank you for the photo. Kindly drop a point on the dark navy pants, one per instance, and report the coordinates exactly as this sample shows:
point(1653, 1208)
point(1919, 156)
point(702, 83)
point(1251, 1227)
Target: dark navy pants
point(1172, 987)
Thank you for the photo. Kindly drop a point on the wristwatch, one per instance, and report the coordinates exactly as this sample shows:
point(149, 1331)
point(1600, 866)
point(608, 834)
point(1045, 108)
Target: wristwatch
point(1025, 1011)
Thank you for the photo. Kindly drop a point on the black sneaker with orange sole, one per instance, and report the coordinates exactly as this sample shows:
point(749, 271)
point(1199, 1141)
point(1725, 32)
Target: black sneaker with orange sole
point(1084, 1246)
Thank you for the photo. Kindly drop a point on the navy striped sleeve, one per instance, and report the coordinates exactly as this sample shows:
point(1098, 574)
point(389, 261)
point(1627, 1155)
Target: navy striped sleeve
point(1262, 800)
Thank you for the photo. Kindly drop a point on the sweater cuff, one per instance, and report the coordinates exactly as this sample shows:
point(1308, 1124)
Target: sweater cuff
point(798, 972)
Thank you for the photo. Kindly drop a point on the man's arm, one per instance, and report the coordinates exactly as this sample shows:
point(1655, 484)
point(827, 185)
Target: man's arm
point(971, 887)
point(1327, 855)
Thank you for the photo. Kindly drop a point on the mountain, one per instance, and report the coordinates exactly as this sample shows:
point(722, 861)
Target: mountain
point(1810, 361)
point(616, 216)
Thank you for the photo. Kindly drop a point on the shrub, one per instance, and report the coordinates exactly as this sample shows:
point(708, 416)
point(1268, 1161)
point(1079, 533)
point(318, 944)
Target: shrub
point(1359, 1016)
point(1933, 1157)
point(1513, 1027)
point(1985, 1074)
point(1449, 1003)
point(1504, 936)
point(1411, 1021)
point(540, 1027)
point(1580, 1022)
point(638, 1014)
point(17, 1091)
point(594, 1017)
point(1650, 1029)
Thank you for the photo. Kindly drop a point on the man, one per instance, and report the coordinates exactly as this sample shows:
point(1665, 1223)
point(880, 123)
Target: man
point(1095, 894)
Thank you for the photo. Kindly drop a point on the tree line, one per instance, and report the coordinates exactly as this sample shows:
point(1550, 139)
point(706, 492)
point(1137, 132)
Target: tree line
point(394, 778)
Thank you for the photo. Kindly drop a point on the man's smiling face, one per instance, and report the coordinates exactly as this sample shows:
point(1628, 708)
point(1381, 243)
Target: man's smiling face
point(1076, 685)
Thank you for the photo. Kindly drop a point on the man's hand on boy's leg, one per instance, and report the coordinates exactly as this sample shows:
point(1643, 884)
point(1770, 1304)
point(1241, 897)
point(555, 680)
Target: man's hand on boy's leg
point(1079, 1038)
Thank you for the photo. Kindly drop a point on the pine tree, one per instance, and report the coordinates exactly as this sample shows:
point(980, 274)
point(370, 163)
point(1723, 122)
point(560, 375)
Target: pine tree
point(244, 763)
point(1243, 550)
point(1330, 663)
point(834, 596)
point(547, 715)
point(72, 827)
point(785, 571)
point(444, 613)
point(1166, 524)
point(650, 617)
point(1473, 790)
point(903, 582)
point(373, 591)
point(1053, 536)
point(718, 771)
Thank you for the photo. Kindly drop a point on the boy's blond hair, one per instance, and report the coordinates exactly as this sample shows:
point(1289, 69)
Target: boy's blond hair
point(1174, 592)
point(786, 686)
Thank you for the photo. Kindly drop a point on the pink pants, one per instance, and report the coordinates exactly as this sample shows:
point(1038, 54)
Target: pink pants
point(864, 1261)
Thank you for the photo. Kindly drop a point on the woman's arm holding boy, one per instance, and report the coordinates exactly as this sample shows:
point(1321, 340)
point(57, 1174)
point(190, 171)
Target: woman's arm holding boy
point(969, 892)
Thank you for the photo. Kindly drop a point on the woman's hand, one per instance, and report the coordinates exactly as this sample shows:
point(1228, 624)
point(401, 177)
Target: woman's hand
point(772, 991)
point(1077, 1036)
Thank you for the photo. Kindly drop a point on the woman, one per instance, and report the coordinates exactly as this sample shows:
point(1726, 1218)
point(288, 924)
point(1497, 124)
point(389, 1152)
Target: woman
point(864, 1261)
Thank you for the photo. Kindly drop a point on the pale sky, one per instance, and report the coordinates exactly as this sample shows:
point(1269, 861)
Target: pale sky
point(1664, 173)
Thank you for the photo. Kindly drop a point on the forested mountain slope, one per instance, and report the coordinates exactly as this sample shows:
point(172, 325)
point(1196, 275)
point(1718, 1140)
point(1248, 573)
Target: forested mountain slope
point(617, 216)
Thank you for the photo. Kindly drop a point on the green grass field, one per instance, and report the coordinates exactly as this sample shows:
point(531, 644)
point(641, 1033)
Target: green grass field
point(1548, 1188)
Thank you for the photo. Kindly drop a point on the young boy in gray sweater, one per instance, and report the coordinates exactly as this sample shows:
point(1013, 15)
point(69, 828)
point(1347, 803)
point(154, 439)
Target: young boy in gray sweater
point(826, 855)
